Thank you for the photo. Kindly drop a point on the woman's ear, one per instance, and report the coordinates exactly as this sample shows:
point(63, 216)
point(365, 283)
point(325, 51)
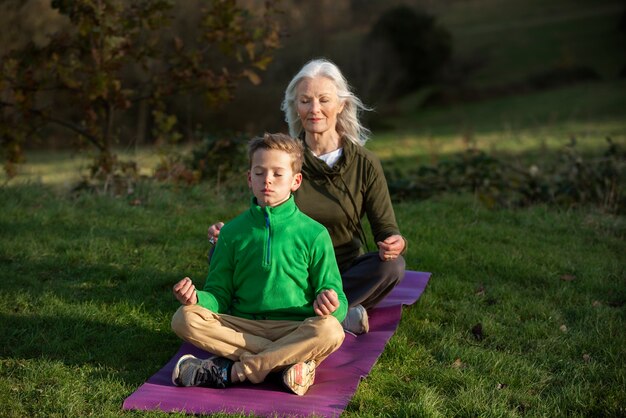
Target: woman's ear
point(297, 181)
point(341, 106)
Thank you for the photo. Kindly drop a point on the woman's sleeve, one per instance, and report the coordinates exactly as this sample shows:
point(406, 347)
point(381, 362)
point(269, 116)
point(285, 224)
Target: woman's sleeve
point(377, 201)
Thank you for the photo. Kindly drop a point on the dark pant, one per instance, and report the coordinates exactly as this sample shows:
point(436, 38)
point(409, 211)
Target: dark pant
point(369, 279)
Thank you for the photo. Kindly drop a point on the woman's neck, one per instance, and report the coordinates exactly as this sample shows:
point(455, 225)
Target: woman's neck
point(321, 144)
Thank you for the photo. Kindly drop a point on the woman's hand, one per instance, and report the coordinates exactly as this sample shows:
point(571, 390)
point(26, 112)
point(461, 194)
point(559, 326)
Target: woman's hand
point(391, 248)
point(214, 232)
point(326, 302)
point(185, 292)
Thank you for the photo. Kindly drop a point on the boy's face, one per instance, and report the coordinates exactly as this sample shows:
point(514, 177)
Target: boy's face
point(271, 177)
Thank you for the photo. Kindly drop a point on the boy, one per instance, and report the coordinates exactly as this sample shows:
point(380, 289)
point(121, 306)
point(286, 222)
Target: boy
point(273, 300)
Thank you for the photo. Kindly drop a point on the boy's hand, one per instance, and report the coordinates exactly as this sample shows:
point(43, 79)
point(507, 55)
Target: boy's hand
point(326, 302)
point(185, 292)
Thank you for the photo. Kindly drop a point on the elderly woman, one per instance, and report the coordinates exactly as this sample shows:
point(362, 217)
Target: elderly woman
point(343, 182)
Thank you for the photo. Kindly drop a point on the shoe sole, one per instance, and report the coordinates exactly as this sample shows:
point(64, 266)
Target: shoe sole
point(365, 322)
point(297, 380)
point(176, 371)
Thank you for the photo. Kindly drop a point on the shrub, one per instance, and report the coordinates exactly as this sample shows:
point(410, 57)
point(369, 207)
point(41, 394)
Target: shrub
point(570, 180)
point(221, 158)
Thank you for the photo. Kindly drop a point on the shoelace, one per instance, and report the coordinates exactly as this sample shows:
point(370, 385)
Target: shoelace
point(210, 374)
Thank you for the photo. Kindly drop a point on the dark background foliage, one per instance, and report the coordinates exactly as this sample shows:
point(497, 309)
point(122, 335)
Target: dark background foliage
point(212, 74)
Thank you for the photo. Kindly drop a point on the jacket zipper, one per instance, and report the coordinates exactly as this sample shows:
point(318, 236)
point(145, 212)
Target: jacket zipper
point(268, 247)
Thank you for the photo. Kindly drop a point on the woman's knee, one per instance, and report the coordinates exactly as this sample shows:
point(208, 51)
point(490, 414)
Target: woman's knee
point(394, 270)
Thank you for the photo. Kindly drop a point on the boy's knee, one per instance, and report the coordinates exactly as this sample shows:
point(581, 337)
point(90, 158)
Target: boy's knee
point(330, 329)
point(185, 320)
point(179, 321)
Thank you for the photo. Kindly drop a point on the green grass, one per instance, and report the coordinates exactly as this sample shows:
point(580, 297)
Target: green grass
point(85, 296)
point(85, 301)
point(65, 168)
point(536, 35)
point(531, 125)
point(85, 281)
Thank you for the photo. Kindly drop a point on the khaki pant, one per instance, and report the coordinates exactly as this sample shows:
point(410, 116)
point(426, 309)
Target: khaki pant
point(258, 347)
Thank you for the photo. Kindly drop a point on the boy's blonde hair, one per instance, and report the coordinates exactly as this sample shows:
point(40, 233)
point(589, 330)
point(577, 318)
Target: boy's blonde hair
point(281, 142)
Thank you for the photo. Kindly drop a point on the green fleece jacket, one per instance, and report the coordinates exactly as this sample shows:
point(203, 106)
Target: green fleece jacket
point(339, 197)
point(270, 263)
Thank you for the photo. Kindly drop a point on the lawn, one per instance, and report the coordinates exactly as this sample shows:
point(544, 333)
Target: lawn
point(512, 40)
point(531, 124)
point(525, 312)
point(85, 302)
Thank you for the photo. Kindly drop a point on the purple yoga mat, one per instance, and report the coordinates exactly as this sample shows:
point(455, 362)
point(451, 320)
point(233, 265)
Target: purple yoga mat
point(336, 379)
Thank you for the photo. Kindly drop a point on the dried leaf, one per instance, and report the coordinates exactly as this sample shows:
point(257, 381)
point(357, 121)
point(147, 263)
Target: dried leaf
point(501, 386)
point(568, 277)
point(252, 76)
point(596, 303)
point(251, 49)
point(586, 358)
point(178, 43)
point(480, 291)
point(458, 364)
point(563, 328)
point(262, 63)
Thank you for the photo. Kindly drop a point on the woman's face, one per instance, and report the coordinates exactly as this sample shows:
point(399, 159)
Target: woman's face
point(318, 105)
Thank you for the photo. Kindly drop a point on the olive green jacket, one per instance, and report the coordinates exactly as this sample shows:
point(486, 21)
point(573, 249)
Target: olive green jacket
point(339, 198)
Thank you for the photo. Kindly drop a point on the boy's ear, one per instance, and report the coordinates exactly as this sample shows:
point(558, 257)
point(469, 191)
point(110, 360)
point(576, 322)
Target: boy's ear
point(297, 181)
point(249, 179)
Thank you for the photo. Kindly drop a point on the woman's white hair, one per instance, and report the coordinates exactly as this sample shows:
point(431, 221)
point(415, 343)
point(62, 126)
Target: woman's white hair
point(348, 125)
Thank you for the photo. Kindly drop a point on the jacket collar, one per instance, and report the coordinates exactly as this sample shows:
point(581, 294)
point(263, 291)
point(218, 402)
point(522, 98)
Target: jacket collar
point(314, 168)
point(283, 210)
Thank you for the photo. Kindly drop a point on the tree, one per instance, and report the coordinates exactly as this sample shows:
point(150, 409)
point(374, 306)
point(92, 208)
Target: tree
point(113, 54)
point(407, 50)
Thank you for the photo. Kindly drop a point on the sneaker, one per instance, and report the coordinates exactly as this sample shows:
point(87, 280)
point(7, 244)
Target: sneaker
point(213, 372)
point(356, 321)
point(299, 377)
